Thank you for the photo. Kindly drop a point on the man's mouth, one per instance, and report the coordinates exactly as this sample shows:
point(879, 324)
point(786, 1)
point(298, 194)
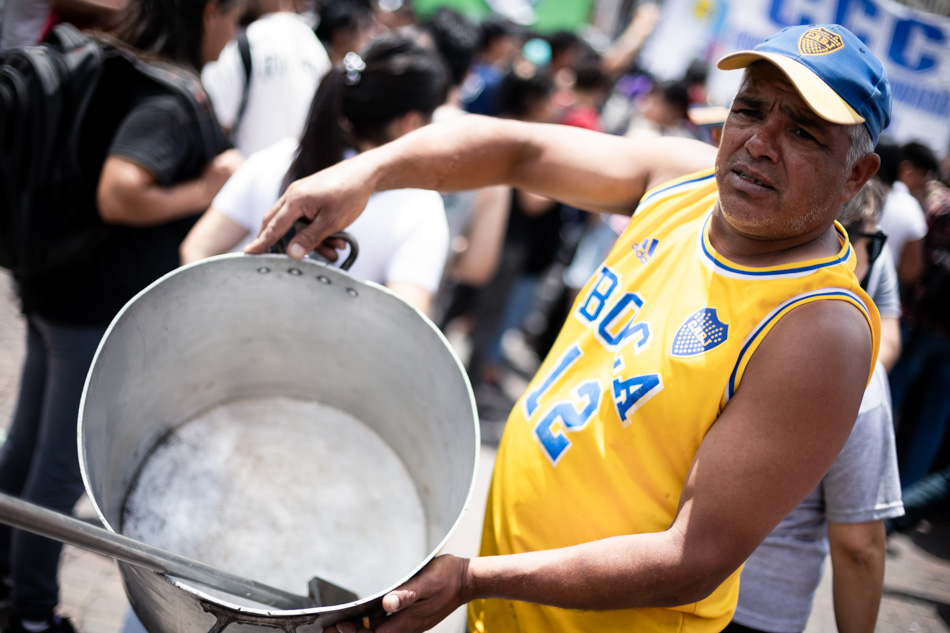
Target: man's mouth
point(748, 177)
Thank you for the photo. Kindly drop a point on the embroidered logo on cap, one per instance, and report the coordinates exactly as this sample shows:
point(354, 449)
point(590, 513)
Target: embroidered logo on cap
point(819, 41)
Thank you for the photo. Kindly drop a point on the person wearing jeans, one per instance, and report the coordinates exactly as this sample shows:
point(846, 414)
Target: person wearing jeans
point(918, 389)
point(39, 462)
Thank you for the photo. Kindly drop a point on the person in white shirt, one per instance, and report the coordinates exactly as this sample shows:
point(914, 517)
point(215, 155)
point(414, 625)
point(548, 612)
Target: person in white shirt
point(367, 102)
point(902, 218)
point(287, 63)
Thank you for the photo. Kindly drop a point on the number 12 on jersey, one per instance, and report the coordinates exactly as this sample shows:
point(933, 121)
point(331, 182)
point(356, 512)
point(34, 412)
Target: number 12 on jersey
point(600, 310)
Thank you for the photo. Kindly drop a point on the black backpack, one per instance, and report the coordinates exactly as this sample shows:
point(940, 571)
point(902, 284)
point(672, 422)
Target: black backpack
point(48, 175)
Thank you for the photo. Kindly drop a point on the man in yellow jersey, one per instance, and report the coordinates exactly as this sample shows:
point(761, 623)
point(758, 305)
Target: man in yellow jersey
point(708, 374)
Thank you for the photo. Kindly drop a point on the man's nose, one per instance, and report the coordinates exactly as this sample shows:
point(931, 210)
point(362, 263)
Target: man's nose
point(764, 142)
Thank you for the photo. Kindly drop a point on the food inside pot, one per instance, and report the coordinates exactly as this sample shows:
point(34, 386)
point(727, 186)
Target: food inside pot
point(280, 489)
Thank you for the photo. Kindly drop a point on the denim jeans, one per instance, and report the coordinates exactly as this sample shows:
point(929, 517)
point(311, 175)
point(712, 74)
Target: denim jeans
point(39, 462)
point(925, 498)
point(921, 397)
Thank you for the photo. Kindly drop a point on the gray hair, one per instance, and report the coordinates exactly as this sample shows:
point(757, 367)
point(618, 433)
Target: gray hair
point(861, 144)
point(865, 207)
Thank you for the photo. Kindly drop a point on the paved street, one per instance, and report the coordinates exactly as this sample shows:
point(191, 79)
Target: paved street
point(917, 582)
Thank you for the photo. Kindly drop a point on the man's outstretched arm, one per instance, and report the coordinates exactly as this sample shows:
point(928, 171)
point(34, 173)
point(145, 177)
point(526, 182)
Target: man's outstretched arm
point(586, 169)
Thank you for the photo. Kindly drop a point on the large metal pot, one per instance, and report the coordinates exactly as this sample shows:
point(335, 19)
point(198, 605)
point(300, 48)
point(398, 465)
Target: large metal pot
point(279, 420)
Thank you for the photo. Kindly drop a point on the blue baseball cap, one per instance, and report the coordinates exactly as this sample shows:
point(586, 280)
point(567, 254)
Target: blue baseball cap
point(833, 71)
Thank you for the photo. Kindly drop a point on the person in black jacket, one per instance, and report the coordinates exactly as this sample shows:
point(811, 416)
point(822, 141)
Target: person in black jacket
point(156, 172)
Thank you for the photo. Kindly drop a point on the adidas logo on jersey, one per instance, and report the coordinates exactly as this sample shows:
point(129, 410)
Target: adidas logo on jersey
point(645, 249)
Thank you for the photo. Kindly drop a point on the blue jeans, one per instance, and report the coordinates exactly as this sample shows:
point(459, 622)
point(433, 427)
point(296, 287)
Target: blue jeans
point(921, 398)
point(39, 462)
point(926, 497)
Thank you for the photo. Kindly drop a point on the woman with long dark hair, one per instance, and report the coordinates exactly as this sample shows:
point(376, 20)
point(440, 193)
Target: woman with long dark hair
point(364, 103)
point(156, 168)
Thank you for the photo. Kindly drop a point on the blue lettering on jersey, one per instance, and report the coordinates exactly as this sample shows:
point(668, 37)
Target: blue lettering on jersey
point(567, 359)
point(618, 326)
point(700, 333)
point(551, 436)
point(645, 249)
point(611, 315)
point(631, 394)
point(598, 295)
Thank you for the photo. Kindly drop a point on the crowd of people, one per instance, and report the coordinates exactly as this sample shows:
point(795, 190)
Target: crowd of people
point(314, 101)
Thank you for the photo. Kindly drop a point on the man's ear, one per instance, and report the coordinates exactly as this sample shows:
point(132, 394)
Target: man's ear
point(861, 172)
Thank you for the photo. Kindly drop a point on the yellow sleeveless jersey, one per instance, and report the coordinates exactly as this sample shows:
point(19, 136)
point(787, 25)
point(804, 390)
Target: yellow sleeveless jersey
point(600, 443)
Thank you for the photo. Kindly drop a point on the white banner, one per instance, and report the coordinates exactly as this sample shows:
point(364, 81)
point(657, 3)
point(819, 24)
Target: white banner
point(914, 47)
point(683, 34)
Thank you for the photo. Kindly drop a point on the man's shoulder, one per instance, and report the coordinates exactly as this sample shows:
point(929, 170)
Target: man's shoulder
point(680, 193)
point(674, 159)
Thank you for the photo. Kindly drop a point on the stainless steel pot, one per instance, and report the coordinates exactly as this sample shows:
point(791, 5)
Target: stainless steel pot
point(279, 420)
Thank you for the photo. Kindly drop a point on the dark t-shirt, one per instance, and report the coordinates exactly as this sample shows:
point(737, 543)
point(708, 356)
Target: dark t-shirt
point(161, 135)
point(538, 235)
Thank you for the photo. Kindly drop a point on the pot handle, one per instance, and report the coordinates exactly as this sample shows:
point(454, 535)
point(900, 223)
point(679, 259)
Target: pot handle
point(281, 247)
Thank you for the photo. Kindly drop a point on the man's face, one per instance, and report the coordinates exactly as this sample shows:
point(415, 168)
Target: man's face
point(781, 169)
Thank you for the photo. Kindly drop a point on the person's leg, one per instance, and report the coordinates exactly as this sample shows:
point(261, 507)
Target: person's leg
point(919, 440)
point(16, 454)
point(909, 367)
point(519, 302)
point(54, 480)
point(489, 307)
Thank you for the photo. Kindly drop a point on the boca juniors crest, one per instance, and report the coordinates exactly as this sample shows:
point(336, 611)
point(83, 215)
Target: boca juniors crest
point(819, 41)
point(700, 333)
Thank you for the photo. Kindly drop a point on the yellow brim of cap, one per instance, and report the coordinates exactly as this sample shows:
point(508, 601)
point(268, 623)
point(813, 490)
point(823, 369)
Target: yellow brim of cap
point(819, 96)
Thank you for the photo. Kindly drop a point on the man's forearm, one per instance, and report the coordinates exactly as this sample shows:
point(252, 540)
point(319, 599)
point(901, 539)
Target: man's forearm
point(467, 153)
point(644, 570)
point(560, 162)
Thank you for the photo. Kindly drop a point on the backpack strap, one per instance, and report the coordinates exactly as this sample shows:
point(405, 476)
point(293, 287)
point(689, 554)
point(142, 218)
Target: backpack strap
point(188, 87)
point(68, 36)
point(244, 48)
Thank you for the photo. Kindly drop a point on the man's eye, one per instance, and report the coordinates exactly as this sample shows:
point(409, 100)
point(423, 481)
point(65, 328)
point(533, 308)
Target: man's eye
point(802, 134)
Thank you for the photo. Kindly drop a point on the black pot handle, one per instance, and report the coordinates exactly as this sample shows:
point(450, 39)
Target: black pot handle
point(281, 247)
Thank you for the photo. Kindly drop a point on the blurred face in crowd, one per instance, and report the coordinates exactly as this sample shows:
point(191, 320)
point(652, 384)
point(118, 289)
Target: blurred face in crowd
point(502, 50)
point(782, 170)
point(220, 25)
point(657, 109)
point(916, 178)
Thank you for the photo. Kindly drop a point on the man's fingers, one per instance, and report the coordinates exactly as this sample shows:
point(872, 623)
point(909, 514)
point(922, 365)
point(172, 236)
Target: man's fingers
point(276, 223)
point(273, 230)
point(328, 252)
point(397, 600)
point(307, 238)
